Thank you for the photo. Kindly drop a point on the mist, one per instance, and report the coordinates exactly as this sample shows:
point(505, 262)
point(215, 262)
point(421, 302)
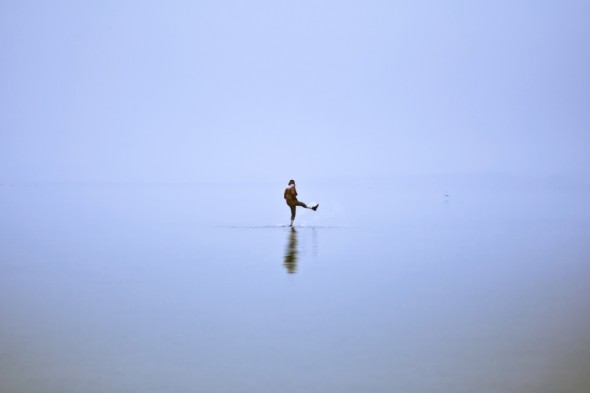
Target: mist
point(227, 91)
point(145, 243)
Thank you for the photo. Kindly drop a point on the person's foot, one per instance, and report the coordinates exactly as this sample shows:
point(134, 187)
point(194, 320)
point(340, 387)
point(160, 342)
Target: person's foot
point(315, 207)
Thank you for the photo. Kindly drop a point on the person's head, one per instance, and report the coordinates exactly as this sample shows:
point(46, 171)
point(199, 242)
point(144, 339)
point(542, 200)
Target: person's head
point(291, 182)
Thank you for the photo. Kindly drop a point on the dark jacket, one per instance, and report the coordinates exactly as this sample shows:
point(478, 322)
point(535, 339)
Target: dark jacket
point(291, 195)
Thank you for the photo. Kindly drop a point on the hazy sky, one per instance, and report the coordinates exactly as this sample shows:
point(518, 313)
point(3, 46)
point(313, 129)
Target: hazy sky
point(226, 90)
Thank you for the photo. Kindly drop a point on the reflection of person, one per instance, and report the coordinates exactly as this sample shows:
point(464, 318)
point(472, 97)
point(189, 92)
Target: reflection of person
point(291, 252)
point(291, 199)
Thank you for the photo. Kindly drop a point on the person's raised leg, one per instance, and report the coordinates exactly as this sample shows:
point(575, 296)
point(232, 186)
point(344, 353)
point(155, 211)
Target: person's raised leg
point(314, 207)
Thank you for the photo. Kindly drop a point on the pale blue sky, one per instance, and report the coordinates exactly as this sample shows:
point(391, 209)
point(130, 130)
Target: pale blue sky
point(272, 90)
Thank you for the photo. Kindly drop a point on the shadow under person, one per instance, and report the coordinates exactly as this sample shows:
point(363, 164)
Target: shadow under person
point(291, 253)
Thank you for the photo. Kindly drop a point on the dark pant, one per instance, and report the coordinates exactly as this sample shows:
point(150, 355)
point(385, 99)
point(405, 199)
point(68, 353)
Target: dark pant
point(293, 205)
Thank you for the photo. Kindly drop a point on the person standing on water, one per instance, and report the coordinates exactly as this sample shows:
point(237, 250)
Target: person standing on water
point(291, 199)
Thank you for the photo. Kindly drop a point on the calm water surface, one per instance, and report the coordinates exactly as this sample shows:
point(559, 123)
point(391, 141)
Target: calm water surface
point(192, 288)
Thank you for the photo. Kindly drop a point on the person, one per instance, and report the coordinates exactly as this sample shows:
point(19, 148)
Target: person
point(291, 199)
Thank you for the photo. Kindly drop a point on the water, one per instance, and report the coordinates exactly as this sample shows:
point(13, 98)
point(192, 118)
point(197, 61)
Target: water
point(388, 287)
